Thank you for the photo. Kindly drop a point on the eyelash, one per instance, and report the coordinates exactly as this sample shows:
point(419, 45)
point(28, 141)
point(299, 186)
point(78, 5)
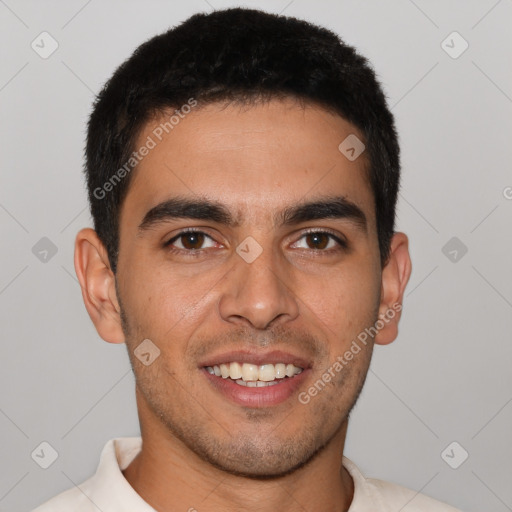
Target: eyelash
point(343, 245)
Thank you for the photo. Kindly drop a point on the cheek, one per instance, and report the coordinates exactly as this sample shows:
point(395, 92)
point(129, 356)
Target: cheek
point(345, 304)
point(160, 299)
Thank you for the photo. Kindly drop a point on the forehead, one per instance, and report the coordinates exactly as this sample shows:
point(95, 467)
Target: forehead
point(253, 159)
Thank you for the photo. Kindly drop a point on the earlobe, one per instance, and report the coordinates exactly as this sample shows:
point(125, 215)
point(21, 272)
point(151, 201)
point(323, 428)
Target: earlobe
point(395, 276)
point(98, 285)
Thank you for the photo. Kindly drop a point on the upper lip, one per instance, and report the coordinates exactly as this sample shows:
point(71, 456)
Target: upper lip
point(257, 358)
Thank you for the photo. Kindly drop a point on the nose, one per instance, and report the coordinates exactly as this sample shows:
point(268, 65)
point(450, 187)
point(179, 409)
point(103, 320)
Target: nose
point(259, 294)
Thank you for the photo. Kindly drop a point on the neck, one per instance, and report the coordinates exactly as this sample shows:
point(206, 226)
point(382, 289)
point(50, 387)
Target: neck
point(170, 477)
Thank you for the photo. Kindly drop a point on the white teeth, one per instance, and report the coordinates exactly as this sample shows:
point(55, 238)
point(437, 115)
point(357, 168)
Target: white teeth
point(253, 375)
point(258, 383)
point(224, 371)
point(266, 372)
point(280, 370)
point(249, 372)
point(290, 370)
point(235, 371)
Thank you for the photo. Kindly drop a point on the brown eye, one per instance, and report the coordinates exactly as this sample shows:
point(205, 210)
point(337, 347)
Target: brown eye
point(318, 240)
point(192, 240)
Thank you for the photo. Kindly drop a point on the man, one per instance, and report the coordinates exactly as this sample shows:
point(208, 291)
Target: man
point(243, 171)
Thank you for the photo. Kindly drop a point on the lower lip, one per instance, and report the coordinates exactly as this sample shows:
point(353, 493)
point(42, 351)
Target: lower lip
point(257, 397)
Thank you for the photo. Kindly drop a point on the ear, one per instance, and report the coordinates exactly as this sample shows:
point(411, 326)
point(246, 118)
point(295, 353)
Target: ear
point(395, 276)
point(98, 285)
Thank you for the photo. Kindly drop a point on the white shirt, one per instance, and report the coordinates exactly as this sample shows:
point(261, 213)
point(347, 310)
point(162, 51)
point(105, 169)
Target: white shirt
point(109, 491)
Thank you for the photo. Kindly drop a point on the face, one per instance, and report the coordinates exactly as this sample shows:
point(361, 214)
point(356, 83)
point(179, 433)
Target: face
point(248, 246)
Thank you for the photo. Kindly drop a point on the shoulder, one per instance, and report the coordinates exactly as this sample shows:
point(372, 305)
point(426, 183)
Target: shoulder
point(106, 486)
point(396, 497)
point(372, 494)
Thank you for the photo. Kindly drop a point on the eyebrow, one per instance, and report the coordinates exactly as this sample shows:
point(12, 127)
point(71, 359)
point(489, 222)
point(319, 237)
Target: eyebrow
point(335, 207)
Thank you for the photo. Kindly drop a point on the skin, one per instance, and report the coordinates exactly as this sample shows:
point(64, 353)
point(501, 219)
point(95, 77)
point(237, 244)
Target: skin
point(200, 450)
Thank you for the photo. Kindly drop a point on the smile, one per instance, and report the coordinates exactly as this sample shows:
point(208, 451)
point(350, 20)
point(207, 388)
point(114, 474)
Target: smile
point(251, 375)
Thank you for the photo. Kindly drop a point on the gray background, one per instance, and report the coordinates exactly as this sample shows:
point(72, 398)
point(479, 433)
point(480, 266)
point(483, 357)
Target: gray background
point(446, 378)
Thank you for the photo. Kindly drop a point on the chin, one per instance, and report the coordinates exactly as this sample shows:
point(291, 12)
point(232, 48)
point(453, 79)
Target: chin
point(254, 460)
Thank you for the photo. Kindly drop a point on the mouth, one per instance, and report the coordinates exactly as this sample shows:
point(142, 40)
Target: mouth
point(256, 380)
point(252, 375)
